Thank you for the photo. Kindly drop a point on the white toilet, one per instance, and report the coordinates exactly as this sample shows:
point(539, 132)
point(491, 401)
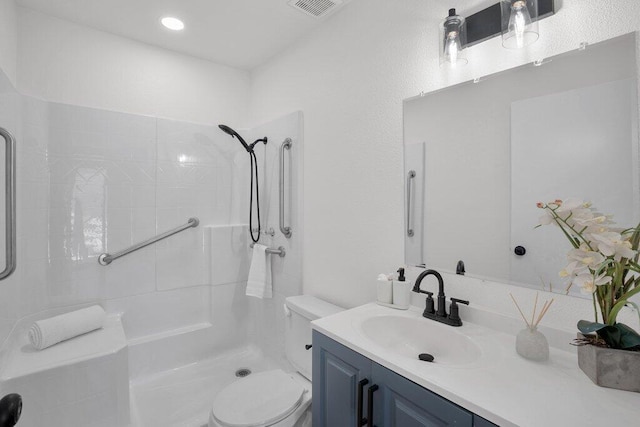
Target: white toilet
point(276, 398)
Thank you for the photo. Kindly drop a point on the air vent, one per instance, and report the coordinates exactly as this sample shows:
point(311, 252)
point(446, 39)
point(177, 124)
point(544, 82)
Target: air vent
point(316, 8)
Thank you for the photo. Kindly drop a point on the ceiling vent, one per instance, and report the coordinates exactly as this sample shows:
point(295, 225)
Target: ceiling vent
point(317, 8)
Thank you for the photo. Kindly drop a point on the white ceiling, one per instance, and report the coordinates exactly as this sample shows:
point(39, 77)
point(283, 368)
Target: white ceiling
point(238, 33)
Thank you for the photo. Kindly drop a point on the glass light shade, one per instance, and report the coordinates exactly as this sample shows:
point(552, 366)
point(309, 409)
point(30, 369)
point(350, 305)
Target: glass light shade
point(519, 23)
point(453, 38)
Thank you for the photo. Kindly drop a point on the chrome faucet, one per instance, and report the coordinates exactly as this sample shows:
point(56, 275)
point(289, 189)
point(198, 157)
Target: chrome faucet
point(439, 315)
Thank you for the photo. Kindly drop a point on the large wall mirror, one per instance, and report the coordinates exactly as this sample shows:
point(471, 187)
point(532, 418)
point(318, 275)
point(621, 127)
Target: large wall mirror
point(479, 155)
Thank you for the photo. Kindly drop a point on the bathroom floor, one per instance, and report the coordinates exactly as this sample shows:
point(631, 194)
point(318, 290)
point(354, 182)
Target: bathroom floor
point(183, 397)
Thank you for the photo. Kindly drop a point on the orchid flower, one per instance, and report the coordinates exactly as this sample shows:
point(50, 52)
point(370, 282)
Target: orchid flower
point(612, 244)
point(602, 256)
point(588, 283)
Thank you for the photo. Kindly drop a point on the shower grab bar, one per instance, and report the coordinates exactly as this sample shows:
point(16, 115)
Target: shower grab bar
point(286, 145)
point(410, 177)
point(280, 251)
point(10, 203)
point(106, 259)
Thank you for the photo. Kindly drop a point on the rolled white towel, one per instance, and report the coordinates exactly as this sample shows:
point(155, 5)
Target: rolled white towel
point(47, 332)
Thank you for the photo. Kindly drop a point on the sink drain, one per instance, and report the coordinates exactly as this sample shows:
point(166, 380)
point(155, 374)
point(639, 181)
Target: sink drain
point(243, 372)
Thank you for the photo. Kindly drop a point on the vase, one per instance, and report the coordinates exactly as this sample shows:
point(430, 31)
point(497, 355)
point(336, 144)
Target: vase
point(609, 367)
point(532, 344)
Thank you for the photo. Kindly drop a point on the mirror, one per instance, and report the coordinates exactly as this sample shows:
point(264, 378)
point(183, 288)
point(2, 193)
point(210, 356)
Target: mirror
point(479, 155)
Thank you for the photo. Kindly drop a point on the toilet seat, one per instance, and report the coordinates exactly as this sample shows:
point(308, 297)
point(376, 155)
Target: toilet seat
point(260, 400)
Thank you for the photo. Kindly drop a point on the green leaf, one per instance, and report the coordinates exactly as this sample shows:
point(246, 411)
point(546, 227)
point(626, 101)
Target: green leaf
point(619, 336)
point(587, 327)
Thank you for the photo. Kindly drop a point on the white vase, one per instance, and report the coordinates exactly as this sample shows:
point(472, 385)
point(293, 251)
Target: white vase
point(532, 344)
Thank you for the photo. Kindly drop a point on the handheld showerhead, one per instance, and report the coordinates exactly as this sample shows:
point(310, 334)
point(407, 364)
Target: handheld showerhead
point(226, 129)
point(254, 176)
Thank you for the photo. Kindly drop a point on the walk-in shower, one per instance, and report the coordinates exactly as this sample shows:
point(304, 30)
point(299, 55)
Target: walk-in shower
point(254, 177)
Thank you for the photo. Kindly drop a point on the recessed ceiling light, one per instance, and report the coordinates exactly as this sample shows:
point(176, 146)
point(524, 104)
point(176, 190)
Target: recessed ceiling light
point(172, 23)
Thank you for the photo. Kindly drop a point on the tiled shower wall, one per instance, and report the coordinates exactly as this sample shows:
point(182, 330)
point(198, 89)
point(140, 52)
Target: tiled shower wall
point(93, 181)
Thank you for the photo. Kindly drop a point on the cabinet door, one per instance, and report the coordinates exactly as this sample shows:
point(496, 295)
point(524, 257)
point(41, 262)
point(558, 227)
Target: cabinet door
point(481, 422)
point(337, 371)
point(402, 403)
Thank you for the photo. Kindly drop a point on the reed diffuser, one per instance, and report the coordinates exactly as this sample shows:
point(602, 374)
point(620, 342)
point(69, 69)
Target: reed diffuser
point(531, 343)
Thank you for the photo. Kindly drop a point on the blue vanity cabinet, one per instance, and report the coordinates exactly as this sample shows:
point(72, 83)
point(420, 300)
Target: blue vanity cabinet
point(403, 403)
point(481, 422)
point(397, 402)
point(337, 373)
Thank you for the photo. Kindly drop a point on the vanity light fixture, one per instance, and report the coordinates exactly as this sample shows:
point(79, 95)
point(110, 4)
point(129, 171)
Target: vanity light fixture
point(172, 23)
point(519, 23)
point(452, 40)
point(515, 20)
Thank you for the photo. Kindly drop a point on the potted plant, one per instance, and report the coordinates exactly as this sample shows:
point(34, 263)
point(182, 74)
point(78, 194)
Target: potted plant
point(603, 263)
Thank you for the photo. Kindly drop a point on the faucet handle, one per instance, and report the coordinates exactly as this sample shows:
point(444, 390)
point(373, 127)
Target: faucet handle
point(429, 307)
point(454, 317)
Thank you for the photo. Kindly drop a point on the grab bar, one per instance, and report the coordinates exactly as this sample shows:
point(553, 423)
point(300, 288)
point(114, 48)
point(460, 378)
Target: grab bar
point(106, 259)
point(10, 203)
point(280, 251)
point(286, 145)
point(410, 177)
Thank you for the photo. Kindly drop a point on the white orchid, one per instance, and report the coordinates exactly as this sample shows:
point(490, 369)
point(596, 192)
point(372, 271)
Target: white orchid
point(546, 218)
point(611, 244)
point(586, 258)
point(588, 283)
point(570, 204)
point(574, 268)
point(603, 261)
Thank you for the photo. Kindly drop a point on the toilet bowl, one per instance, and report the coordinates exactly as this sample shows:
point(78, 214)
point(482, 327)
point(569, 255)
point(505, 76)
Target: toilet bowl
point(272, 398)
point(276, 398)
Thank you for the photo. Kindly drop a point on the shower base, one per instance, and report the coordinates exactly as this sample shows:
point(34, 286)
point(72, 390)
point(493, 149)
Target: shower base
point(183, 397)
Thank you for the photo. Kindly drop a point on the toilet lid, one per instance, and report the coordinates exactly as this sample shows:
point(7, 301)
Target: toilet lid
point(260, 399)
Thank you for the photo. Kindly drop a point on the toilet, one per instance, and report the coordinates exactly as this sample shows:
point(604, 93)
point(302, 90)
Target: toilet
point(276, 398)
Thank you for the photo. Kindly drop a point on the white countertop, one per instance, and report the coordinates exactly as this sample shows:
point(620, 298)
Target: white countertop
point(501, 386)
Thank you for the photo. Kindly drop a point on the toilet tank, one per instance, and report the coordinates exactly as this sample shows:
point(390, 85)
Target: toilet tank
point(299, 312)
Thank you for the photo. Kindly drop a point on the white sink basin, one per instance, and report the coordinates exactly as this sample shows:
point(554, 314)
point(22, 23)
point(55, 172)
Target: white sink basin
point(411, 336)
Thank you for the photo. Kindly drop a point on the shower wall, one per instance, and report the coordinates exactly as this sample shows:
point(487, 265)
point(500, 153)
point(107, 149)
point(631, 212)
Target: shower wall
point(93, 181)
point(268, 318)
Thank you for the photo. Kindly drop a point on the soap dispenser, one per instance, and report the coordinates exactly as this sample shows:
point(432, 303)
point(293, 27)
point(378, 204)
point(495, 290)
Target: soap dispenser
point(401, 290)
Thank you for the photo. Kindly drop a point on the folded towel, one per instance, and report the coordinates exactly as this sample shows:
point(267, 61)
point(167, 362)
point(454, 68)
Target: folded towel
point(259, 282)
point(47, 332)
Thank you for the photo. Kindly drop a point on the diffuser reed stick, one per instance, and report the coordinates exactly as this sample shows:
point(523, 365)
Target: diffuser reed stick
point(534, 321)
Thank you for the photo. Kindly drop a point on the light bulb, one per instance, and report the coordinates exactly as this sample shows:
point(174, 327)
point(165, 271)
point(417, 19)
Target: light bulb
point(451, 48)
point(172, 23)
point(519, 20)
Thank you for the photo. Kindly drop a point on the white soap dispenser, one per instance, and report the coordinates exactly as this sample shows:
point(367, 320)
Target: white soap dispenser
point(401, 291)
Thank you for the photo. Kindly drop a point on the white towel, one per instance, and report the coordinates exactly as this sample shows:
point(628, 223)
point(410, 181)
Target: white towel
point(47, 332)
point(259, 282)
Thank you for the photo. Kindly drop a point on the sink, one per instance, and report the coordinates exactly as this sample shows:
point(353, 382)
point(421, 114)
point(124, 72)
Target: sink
point(411, 336)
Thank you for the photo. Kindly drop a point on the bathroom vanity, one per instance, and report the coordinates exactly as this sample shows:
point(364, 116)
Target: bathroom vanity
point(381, 395)
point(366, 366)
